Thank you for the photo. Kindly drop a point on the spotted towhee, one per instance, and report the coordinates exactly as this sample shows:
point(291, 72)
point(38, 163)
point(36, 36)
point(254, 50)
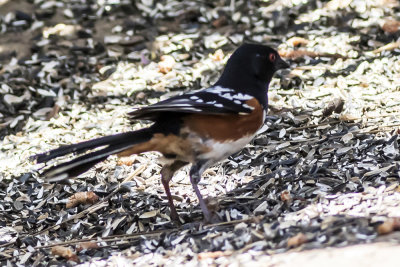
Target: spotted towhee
point(201, 127)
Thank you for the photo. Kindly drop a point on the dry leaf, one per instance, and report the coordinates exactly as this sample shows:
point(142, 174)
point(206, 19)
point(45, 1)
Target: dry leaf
point(64, 252)
point(389, 226)
point(297, 240)
point(286, 197)
point(54, 111)
point(297, 41)
point(82, 198)
point(213, 254)
point(293, 54)
point(296, 53)
point(391, 26)
point(348, 117)
point(219, 22)
point(166, 64)
point(127, 161)
point(86, 245)
point(336, 105)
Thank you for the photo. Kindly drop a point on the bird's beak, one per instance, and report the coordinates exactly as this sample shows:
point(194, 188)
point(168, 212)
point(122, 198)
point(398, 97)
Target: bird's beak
point(281, 64)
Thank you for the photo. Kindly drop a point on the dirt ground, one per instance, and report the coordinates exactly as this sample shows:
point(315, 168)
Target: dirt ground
point(318, 186)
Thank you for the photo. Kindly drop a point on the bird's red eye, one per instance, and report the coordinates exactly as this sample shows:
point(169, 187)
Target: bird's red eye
point(272, 57)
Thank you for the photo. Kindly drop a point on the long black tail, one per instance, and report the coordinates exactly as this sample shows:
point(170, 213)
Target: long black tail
point(112, 144)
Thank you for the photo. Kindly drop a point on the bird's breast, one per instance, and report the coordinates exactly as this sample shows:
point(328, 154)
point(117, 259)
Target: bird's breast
point(219, 136)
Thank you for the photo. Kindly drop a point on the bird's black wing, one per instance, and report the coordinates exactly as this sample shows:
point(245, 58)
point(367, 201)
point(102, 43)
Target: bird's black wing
point(213, 100)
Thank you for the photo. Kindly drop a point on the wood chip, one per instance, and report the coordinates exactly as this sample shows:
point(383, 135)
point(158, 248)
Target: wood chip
point(388, 47)
point(81, 198)
point(336, 105)
point(86, 245)
point(64, 252)
point(166, 64)
point(297, 41)
point(297, 240)
point(389, 226)
point(391, 26)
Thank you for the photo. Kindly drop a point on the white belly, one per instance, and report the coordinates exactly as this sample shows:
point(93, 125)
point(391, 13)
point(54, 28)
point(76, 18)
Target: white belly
point(220, 151)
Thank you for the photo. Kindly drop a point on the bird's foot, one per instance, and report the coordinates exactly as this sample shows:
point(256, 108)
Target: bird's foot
point(214, 218)
point(175, 217)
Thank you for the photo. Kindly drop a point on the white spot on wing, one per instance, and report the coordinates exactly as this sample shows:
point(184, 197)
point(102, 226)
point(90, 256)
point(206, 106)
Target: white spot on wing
point(218, 90)
point(241, 96)
point(182, 105)
point(227, 96)
point(179, 100)
point(247, 106)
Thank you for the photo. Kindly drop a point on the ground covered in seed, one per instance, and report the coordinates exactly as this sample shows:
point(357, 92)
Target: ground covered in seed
point(319, 183)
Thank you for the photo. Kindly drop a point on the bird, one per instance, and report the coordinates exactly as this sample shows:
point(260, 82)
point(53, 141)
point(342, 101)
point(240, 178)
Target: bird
point(200, 128)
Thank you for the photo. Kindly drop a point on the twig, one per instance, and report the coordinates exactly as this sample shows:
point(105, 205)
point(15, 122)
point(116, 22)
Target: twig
point(255, 218)
point(293, 54)
point(321, 138)
point(90, 209)
point(137, 235)
point(312, 126)
point(385, 115)
point(388, 47)
point(317, 97)
point(383, 126)
point(135, 173)
point(317, 67)
point(107, 239)
point(7, 244)
point(96, 206)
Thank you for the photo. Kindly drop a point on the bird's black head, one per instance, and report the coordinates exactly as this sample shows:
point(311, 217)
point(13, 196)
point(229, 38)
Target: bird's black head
point(251, 66)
